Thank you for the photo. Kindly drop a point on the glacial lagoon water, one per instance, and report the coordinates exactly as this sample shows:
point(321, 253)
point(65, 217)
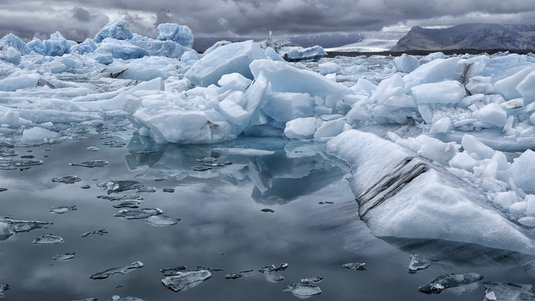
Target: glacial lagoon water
point(238, 206)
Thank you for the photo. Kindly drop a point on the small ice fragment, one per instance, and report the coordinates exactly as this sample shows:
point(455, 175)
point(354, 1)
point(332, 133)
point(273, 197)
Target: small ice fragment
point(169, 190)
point(233, 276)
point(326, 203)
point(120, 186)
point(267, 210)
point(95, 232)
point(185, 280)
point(63, 209)
point(270, 272)
point(161, 221)
point(91, 164)
point(305, 288)
point(201, 168)
point(87, 186)
point(2, 189)
point(496, 291)
point(93, 149)
point(64, 257)
point(120, 270)
point(87, 299)
point(173, 271)
point(117, 298)
point(418, 262)
point(115, 143)
point(442, 282)
point(146, 189)
point(138, 213)
point(357, 266)
point(3, 289)
point(120, 198)
point(127, 204)
point(48, 239)
point(67, 180)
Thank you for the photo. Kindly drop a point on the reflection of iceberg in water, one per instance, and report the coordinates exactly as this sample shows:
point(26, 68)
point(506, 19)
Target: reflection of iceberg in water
point(287, 171)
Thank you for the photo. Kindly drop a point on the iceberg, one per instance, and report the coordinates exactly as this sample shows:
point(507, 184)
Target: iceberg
point(400, 195)
point(180, 34)
point(295, 54)
point(11, 40)
point(230, 58)
point(57, 45)
point(116, 30)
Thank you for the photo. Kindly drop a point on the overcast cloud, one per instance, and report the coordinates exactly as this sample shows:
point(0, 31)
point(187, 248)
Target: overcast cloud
point(226, 18)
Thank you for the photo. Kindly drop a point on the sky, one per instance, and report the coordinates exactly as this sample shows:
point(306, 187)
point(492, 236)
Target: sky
point(81, 19)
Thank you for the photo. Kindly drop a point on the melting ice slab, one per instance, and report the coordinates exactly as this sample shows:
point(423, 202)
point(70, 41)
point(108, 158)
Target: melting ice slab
point(400, 195)
point(120, 270)
point(182, 281)
point(442, 282)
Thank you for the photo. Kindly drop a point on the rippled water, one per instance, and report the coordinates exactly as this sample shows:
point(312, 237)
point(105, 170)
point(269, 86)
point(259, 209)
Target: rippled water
point(222, 226)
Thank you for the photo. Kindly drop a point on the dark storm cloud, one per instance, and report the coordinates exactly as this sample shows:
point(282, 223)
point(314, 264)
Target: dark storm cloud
point(78, 19)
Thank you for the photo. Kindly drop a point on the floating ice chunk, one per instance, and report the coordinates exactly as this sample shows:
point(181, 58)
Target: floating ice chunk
point(91, 164)
point(57, 45)
point(189, 57)
point(120, 198)
point(406, 63)
point(306, 288)
point(161, 221)
point(437, 285)
point(180, 34)
point(11, 40)
point(63, 209)
point(273, 55)
point(127, 204)
point(401, 196)
point(284, 77)
point(11, 117)
point(88, 299)
point(140, 214)
point(85, 47)
point(231, 108)
point(330, 128)
point(120, 270)
point(16, 82)
point(443, 125)
point(435, 71)
point(328, 68)
point(463, 161)
point(38, 134)
point(526, 88)
point(234, 81)
point(518, 208)
point(187, 127)
point(231, 58)
point(120, 186)
point(507, 86)
point(183, 281)
point(356, 266)
point(475, 148)
point(116, 30)
point(48, 239)
point(480, 85)
point(287, 106)
point(523, 171)
point(153, 47)
point(120, 50)
point(67, 179)
point(64, 257)
point(270, 272)
point(497, 291)
point(493, 114)
point(418, 262)
point(94, 232)
point(93, 149)
point(428, 147)
point(445, 92)
point(295, 54)
point(12, 55)
point(301, 128)
point(9, 226)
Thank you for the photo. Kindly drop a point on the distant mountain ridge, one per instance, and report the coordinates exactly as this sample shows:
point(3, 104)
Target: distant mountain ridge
point(479, 36)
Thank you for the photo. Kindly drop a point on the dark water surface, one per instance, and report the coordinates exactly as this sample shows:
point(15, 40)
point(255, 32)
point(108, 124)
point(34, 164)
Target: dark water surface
point(222, 226)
